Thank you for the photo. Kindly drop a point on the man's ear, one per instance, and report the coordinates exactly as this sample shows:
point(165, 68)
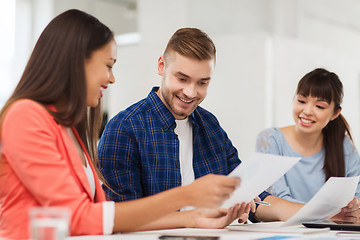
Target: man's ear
point(336, 114)
point(161, 65)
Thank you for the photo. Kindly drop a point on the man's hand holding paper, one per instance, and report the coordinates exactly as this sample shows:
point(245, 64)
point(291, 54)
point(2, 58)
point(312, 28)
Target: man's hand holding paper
point(257, 173)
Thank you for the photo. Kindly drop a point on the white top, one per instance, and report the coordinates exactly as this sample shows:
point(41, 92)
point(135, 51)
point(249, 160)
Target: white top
point(108, 207)
point(90, 176)
point(185, 135)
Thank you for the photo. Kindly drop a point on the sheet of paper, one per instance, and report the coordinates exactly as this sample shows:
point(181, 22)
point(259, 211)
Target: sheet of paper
point(275, 227)
point(336, 193)
point(257, 173)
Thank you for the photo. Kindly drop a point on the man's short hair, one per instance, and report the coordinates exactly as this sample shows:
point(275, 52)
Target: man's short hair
point(192, 43)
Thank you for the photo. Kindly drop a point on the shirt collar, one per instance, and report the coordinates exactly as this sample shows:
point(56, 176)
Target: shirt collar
point(166, 117)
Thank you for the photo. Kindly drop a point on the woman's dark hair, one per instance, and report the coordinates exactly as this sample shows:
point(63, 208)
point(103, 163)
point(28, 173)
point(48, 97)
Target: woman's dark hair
point(55, 74)
point(327, 86)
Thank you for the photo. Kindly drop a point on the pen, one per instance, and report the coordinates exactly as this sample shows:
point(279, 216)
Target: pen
point(262, 203)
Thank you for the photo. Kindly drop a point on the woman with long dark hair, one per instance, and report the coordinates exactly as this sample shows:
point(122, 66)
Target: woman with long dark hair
point(320, 136)
point(49, 128)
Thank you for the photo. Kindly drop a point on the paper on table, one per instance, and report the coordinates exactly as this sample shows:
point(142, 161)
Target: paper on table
point(336, 193)
point(275, 227)
point(257, 173)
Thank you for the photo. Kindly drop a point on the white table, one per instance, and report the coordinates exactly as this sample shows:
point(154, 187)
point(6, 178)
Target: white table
point(224, 234)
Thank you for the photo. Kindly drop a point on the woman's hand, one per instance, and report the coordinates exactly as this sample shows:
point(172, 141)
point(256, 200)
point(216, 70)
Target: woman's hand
point(220, 217)
point(252, 209)
point(350, 213)
point(211, 190)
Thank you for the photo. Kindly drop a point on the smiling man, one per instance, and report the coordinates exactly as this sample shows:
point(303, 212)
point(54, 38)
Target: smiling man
point(167, 140)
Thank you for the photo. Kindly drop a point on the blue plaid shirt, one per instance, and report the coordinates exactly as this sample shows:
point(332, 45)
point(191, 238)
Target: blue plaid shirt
point(139, 150)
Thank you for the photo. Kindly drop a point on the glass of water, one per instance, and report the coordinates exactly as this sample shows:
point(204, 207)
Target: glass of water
point(50, 223)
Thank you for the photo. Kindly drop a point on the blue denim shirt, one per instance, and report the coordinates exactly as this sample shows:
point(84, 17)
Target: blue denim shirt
point(139, 150)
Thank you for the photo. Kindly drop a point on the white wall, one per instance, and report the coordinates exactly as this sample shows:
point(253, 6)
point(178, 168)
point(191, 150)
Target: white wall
point(264, 48)
point(7, 48)
point(238, 91)
point(111, 13)
point(135, 72)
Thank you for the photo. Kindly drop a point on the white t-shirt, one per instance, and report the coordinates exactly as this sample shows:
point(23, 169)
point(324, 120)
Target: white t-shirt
point(185, 135)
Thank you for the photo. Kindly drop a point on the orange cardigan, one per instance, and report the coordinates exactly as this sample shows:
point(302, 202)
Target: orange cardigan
point(40, 166)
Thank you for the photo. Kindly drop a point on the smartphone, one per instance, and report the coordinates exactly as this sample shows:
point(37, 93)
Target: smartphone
point(333, 225)
point(174, 237)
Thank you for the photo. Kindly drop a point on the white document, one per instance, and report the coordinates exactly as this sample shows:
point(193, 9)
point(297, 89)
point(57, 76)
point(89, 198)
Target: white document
point(257, 173)
point(336, 193)
point(275, 227)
